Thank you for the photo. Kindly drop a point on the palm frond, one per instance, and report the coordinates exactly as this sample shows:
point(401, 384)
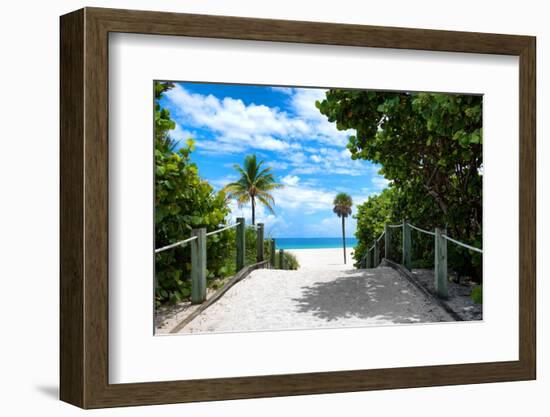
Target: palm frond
point(267, 202)
point(342, 205)
point(255, 182)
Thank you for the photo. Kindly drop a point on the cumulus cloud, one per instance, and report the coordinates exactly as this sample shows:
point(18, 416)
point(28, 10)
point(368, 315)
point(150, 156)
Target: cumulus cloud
point(297, 197)
point(275, 164)
point(328, 160)
point(273, 223)
point(179, 134)
point(303, 103)
point(238, 126)
point(331, 226)
point(290, 180)
point(307, 153)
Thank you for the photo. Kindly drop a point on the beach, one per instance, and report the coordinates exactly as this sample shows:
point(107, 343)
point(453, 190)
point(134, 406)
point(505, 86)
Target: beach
point(274, 299)
point(323, 293)
point(331, 258)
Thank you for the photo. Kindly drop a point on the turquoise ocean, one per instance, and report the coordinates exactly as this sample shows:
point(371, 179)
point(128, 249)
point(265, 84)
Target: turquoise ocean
point(313, 242)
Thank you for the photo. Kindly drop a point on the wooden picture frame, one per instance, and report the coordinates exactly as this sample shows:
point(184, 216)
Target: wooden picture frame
point(84, 207)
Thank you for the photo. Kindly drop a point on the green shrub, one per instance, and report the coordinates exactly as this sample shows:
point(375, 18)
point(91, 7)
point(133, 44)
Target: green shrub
point(289, 259)
point(477, 294)
point(183, 201)
point(429, 147)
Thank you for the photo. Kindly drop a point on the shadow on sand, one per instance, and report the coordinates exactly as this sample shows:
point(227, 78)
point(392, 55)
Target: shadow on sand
point(362, 294)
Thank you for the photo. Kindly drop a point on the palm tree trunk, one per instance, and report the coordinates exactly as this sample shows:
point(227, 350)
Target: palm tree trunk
point(253, 211)
point(344, 236)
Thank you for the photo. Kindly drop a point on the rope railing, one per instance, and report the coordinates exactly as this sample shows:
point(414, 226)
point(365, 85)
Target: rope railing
point(421, 230)
point(186, 241)
point(199, 253)
point(440, 252)
point(222, 229)
point(175, 245)
point(462, 244)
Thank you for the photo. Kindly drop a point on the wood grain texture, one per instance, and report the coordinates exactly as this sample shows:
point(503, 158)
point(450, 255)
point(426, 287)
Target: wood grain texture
point(71, 189)
point(527, 208)
point(84, 207)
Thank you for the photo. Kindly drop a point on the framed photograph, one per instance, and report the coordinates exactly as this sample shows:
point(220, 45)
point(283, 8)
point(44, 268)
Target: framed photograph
point(255, 208)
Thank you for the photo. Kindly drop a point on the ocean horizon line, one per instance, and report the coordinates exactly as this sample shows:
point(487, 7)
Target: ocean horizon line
point(313, 242)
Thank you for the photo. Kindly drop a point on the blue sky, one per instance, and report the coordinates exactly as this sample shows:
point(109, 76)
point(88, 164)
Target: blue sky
point(283, 127)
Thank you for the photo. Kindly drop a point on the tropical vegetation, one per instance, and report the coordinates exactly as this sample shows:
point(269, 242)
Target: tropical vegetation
point(184, 201)
point(289, 260)
point(342, 207)
point(429, 147)
point(255, 183)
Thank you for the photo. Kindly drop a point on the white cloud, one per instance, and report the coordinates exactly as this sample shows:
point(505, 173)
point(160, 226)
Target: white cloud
point(290, 180)
point(379, 182)
point(296, 197)
point(329, 160)
point(303, 104)
point(292, 196)
point(277, 165)
point(219, 183)
point(284, 90)
point(331, 226)
point(214, 147)
point(179, 134)
point(239, 127)
point(273, 223)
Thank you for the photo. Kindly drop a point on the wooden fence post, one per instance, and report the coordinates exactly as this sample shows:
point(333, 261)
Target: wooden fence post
point(387, 241)
point(367, 258)
point(407, 245)
point(198, 266)
point(272, 253)
point(376, 254)
point(281, 259)
point(364, 261)
point(440, 272)
point(240, 243)
point(260, 243)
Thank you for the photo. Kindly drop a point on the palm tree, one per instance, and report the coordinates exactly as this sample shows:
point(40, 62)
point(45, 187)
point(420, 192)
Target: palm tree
point(342, 207)
point(254, 183)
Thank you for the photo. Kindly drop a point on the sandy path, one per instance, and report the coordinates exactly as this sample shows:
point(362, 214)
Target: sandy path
point(326, 259)
point(309, 298)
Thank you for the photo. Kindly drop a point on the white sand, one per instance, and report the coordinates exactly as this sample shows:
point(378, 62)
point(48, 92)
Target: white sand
point(325, 259)
point(317, 296)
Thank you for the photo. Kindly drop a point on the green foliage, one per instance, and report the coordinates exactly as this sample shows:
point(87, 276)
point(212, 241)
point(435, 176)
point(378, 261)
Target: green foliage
point(251, 251)
point(163, 122)
point(289, 259)
point(255, 183)
point(430, 148)
point(183, 201)
point(477, 294)
point(342, 205)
